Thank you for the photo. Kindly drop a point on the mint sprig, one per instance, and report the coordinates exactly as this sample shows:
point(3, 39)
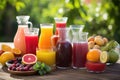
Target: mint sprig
point(41, 68)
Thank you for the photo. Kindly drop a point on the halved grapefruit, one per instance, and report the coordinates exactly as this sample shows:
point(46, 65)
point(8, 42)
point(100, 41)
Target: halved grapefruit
point(29, 59)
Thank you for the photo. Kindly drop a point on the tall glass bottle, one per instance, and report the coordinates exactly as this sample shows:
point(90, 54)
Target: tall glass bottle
point(63, 50)
point(19, 39)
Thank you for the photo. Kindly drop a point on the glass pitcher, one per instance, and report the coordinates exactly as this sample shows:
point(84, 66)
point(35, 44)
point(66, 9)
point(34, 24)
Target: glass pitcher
point(19, 39)
point(45, 36)
point(80, 50)
point(63, 49)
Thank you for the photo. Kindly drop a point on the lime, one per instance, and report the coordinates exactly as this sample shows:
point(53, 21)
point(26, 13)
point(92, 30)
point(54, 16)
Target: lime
point(104, 57)
point(113, 56)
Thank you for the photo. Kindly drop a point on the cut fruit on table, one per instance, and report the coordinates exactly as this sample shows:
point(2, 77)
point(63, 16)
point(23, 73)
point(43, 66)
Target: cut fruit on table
point(104, 57)
point(109, 57)
point(5, 47)
point(5, 56)
point(29, 59)
point(16, 51)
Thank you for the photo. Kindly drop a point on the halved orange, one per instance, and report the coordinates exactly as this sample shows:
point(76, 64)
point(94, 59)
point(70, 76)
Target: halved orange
point(16, 51)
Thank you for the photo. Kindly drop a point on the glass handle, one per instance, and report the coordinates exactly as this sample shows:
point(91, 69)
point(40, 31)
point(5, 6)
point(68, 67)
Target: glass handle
point(30, 24)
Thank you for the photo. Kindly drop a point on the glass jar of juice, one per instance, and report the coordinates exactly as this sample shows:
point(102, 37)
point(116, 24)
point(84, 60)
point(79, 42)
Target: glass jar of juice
point(45, 36)
point(63, 50)
point(19, 39)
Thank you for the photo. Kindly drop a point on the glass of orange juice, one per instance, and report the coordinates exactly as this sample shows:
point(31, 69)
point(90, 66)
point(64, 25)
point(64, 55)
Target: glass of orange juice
point(47, 56)
point(45, 36)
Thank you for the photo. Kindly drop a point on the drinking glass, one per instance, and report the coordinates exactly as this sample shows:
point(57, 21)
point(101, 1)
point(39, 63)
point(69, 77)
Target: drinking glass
point(31, 39)
point(48, 56)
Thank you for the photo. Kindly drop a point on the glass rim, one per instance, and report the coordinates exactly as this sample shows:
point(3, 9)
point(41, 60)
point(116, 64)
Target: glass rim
point(32, 28)
point(77, 26)
point(83, 32)
point(60, 17)
point(46, 24)
point(63, 28)
point(22, 16)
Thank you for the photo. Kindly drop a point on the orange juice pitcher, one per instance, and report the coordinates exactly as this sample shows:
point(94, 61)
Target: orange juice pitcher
point(45, 36)
point(19, 39)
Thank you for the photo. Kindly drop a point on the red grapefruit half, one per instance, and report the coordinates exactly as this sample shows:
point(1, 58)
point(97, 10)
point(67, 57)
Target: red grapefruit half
point(29, 59)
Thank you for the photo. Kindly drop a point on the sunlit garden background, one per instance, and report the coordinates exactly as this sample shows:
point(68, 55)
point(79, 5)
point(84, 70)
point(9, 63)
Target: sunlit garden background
point(100, 17)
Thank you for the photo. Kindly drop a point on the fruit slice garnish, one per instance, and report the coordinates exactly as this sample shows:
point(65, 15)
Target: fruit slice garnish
point(29, 59)
point(16, 51)
point(104, 57)
point(5, 47)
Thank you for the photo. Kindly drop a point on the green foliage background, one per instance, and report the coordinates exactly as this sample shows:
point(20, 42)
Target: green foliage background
point(101, 17)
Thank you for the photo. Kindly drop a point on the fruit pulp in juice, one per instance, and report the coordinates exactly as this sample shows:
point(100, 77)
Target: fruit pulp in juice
point(45, 38)
point(31, 43)
point(60, 25)
point(63, 54)
point(79, 54)
point(19, 39)
point(46, 56)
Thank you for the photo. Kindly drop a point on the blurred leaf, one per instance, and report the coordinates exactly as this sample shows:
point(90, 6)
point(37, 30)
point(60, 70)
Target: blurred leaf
point(19, 5)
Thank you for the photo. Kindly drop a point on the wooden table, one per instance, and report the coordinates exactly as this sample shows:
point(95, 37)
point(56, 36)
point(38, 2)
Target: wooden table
point(112, 72)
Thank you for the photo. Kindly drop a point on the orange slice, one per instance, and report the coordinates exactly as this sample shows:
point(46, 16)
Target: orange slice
point(5, 47)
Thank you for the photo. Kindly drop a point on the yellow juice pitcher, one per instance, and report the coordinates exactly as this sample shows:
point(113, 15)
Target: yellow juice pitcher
point(45, 36)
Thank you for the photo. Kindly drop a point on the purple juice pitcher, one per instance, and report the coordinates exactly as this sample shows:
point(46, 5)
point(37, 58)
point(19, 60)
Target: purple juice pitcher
point(80, 47)
point(63, 49)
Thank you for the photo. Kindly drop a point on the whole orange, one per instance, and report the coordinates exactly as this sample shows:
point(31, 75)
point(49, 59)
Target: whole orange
point(93, 55)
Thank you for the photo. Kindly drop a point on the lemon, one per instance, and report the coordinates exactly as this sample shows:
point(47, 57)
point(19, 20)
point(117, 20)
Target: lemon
point(104, 57)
